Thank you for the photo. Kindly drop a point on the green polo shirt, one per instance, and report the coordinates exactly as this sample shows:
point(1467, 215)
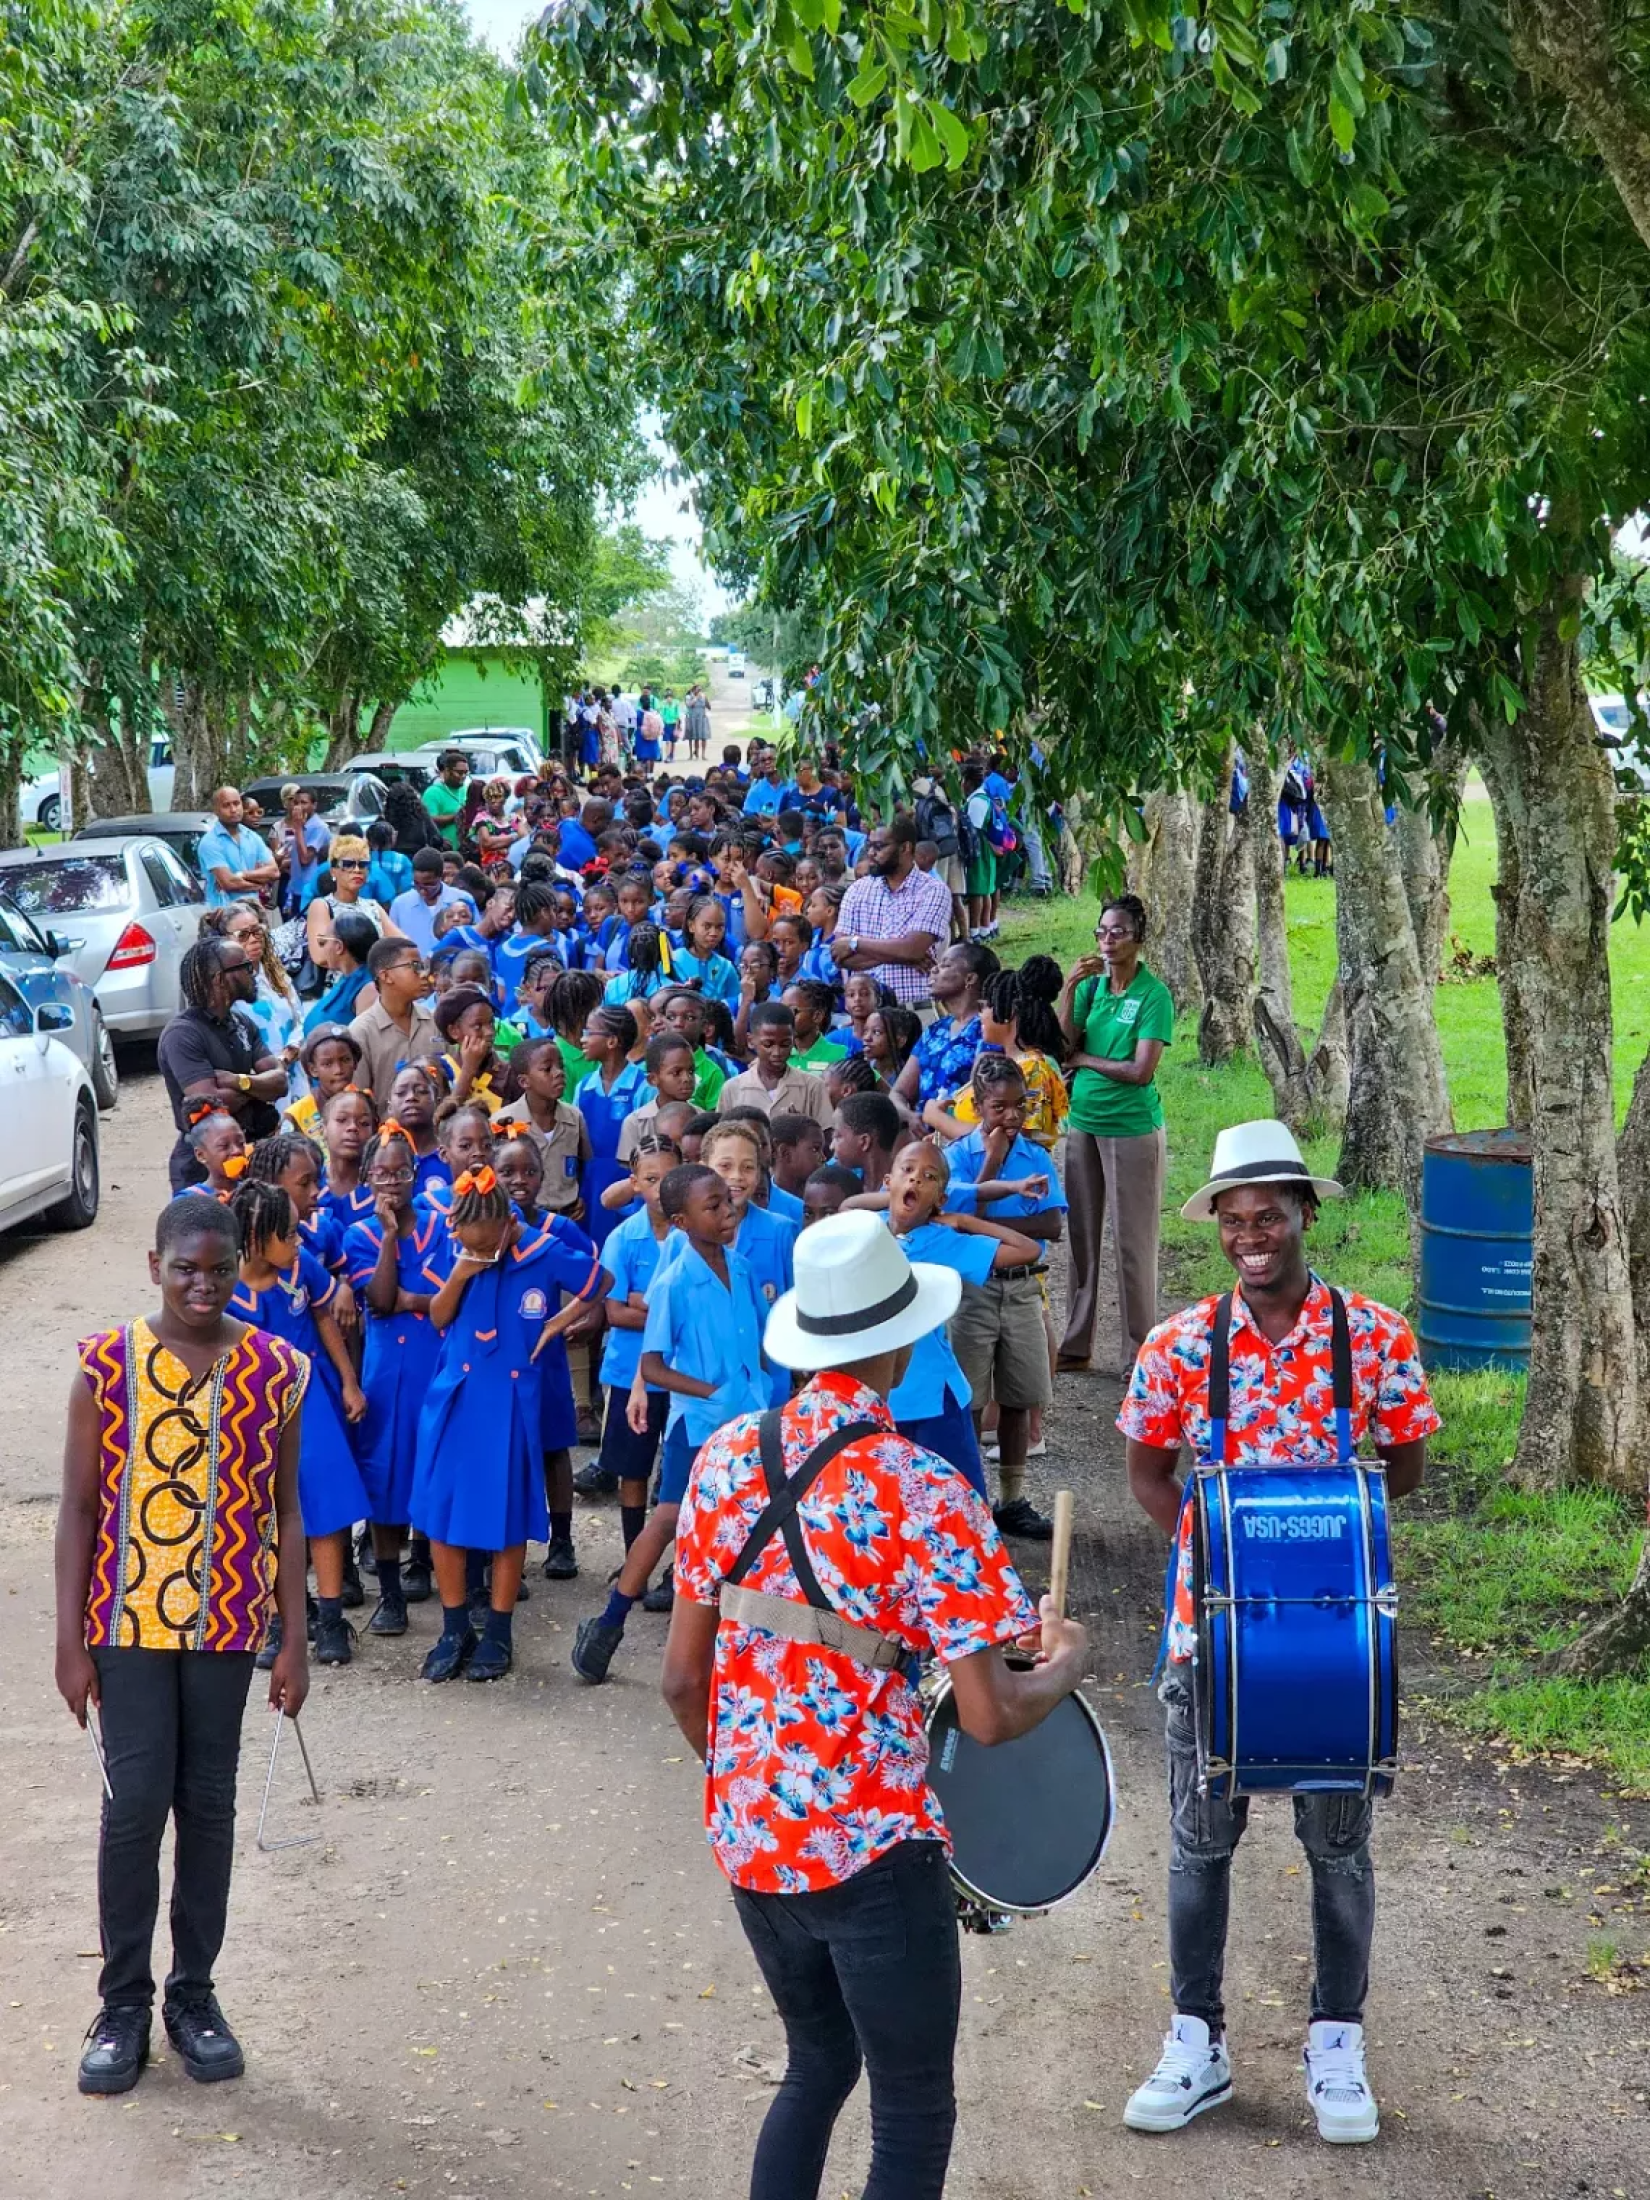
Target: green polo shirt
point(824, 1051)
point(443, 804)
point(1111, 1025)
point(708, 1079)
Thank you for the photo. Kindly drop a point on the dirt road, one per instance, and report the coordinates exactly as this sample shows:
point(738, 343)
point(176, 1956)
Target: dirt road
point(509, 1966)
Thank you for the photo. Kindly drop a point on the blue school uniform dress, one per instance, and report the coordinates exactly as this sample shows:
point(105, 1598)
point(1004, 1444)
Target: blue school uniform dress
point(429, 1170)
point(711, 1330)
point(558, 1411)
point(341, 1209)
point(604, 1113)
point(322, 1234)
point(629, 987)
point(331, 1493)
point(718, 979)
point(733, 911)
point(478, 1478)
point(398, 1361)
point(967, 1158)
point(931, 1405)
point(633, 1257)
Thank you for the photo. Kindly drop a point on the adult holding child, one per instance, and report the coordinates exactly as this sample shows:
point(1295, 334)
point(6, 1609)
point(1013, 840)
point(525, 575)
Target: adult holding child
point(1116, 1017)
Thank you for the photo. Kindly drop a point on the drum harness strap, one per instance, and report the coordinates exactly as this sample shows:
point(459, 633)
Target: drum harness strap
point(1220, 1408)
point(817, 1622)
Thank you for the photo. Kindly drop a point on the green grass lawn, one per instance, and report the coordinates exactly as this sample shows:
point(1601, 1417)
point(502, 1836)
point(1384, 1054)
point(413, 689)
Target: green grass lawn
point(1498, 1573)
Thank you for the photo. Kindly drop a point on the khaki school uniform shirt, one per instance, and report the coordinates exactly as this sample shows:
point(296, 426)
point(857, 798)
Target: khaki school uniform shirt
point(383, 1043)
point(564, 1150)
point(798, 1092)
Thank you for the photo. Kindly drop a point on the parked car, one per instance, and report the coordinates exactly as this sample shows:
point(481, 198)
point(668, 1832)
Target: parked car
point(348, 797)
point(180, 829)
point(121, 912)
point(508, 749)
point(417, 770)
point(736, 664)
point(49, 1155)
point(29, 958)
point(41, 797)
point(1613, 719)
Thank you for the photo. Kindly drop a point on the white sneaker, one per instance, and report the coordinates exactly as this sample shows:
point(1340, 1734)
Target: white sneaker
point(1194, 2073)
point(1336, 2086)
point(994, 1450)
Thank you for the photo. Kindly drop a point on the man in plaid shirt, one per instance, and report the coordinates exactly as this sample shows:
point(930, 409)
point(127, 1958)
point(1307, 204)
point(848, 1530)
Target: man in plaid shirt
point(892, 921)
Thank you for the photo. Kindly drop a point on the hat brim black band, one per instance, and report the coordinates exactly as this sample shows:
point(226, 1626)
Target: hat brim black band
point(865, 1319)
point(1264, 1172)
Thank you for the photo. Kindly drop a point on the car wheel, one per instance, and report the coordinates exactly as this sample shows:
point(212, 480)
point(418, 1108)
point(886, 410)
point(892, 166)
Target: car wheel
point(50, 814)
point(79, 1210)
point(104, 1068)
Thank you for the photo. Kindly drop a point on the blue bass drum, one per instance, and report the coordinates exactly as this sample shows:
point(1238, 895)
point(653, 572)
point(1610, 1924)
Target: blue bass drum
point(1296, 1680)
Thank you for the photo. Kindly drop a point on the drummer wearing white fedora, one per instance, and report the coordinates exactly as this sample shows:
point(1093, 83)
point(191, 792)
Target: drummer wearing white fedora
point(819, 1554)
point(1280, 1324)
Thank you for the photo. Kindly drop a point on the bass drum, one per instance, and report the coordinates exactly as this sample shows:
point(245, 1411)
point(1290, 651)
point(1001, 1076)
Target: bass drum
point(1029, 1820)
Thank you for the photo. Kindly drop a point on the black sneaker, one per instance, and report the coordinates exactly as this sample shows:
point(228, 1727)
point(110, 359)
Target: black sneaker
point(390, 1617)
point(662, 1596)
point(492, 1659)
point(560, 1560)
point(448, 1655)
point(354, 1595)
point(595, 1481)
point(117, 2047)
point(312, 1615)
point(272, 1644)
point(593, 1649)
point(416, 1585)
point(1021, 1518)
point(334, 1641)
point(206, 2046)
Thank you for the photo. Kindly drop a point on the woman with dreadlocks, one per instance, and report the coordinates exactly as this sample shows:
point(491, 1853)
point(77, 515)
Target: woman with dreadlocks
point(286, 1292)
point(478, 1477)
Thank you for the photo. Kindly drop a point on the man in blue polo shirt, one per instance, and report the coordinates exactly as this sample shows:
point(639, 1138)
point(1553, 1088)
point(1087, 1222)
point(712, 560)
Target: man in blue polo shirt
point(235, 863)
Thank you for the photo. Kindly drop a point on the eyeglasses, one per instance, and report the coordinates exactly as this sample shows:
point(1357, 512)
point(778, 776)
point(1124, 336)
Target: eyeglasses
point(416, 964)
point(349, 863)
point(392, 1176)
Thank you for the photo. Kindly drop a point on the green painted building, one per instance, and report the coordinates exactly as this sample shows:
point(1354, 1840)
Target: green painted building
point(467, 692)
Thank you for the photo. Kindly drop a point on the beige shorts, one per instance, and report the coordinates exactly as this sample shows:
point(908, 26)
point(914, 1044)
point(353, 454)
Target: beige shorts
point(997, 1335)
point(950, 868)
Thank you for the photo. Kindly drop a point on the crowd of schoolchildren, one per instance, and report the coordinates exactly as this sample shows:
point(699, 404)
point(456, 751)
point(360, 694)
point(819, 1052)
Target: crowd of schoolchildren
point(542, 1191)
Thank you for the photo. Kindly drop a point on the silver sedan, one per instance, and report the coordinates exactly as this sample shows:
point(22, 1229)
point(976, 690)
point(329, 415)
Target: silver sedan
point(124, 910)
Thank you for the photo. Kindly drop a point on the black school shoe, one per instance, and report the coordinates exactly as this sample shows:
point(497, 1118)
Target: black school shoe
point(1021, 1518)
point(595, 1481)
point(334, 1641)
point(416, 1585)
point(594, 1647)
point(117, 2047)
point(493, 1658)
point(206, 2047)
point(448, 1655)
point(354, 1595)
point(662, 1596)
point(390, 1617)
point(560, 1560)
point(272, 1644)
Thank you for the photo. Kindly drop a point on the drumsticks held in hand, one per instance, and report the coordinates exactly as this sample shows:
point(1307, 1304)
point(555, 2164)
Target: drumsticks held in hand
point(1059, 1565)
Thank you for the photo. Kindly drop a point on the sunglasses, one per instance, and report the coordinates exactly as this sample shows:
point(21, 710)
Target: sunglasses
point(349, 863)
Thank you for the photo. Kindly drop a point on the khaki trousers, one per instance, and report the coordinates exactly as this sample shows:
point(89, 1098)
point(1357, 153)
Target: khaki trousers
point(1125, 1174)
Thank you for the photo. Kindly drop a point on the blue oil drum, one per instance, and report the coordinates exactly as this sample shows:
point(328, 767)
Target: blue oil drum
point(1477, 1214)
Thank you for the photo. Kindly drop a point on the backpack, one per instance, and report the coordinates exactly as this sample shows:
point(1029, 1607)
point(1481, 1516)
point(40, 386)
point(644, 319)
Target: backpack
point(937, 821)
point(1292, 792)
point(1000, 836)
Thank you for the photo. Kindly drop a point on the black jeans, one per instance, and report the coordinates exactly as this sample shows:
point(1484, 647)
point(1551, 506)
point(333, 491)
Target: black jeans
point(1332, 1829)
point(864, 1973)
point(172, 1736)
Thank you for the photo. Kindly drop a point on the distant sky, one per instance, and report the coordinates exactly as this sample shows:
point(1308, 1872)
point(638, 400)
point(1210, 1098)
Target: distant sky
point(659, 509)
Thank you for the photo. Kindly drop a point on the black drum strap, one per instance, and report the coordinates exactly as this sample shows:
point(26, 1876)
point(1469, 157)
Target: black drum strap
point(1220, 1376)
point(785, 1493)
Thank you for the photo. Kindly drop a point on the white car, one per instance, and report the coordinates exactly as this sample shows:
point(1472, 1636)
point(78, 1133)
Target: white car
point(1613, 719)
point(40, 800)
point(736, 664)
point(49, 1155)
point(514, 749)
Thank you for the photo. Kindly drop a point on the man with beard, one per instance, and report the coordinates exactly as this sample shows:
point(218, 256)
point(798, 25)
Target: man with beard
point(891, 921)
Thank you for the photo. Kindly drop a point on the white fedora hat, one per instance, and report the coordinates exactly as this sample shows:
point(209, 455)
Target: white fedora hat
point(856, 1295)
point(1255, 1153)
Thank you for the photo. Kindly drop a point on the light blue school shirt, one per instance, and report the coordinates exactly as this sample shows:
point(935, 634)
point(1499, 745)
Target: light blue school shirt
point(718, 979)
point(764, 799)
point(631, 1256)
point(786, 1205)
point(236, 851)
point(412, 914)
point(700, 1328)
point(934, 1374)
point(967, 1159)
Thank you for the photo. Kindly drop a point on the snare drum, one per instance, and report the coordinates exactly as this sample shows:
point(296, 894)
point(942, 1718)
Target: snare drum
point(1295, 1683)
point(1029, 1819)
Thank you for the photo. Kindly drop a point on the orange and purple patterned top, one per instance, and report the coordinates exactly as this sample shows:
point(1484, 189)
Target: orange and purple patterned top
point(185, 1554)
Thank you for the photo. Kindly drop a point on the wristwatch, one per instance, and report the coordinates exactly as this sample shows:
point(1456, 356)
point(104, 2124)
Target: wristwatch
point(244, 1081)
point(853, 944)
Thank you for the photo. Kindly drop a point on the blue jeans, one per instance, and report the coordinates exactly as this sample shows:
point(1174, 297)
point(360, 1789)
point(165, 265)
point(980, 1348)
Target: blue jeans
point(1334, 1832)
point(865, 1974)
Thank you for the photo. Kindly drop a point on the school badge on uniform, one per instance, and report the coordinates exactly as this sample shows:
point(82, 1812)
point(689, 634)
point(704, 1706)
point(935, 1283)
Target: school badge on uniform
point(534, 1306)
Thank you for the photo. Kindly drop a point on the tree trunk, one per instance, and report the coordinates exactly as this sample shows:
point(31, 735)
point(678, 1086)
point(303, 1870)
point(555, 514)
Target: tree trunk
point(1223, 927)
point(344, 732)
point(1515, 1009)
point(1277, 1042)
point(11, 784)
point(195, 779)
point(1162, 870)
point(1397, 1097)
point(118, 785)
point(1571, 45)
point(1424, 851)
point(1558, 799)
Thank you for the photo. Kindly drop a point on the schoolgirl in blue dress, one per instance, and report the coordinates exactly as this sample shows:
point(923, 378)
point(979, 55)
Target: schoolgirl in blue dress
point(386, 1256)
point(287, 1292)
point(414, 1096)
point(702, 959)
point(478, 1479)
point(646, 969)
point(296, 1163)
point(519, 1160)
point(466, 1135)
point(604, 1099)
point(348, 1121)
point(634, 893)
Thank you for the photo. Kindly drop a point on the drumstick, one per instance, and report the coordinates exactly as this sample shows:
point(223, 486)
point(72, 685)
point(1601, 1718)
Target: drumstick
point(1059, 1565)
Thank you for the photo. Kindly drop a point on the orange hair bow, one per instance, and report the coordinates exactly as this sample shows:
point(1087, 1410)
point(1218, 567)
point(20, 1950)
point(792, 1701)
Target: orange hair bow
point(390, 1128)
point(508, 1131)
point(475, 1180)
